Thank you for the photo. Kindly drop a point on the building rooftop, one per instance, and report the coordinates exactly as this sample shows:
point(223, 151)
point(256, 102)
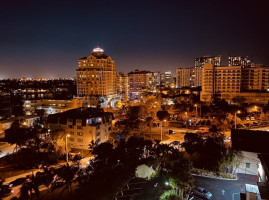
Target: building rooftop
point(250, 140)
point(79, 113)
point(139, 72)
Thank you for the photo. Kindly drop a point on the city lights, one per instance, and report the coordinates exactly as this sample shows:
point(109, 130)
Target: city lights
point(78, 122)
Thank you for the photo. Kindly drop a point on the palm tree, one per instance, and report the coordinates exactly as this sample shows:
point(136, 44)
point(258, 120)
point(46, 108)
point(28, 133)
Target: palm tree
point(30, 189)
point(65, 177)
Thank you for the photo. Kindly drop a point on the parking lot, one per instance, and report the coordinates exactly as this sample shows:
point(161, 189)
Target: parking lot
point(224, 189)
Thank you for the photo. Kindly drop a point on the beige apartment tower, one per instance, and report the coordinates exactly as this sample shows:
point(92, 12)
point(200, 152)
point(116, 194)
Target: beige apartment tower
point(137, 81)
point(122, 84)
point(96, 75)
point(189, 77)
point(250, 84)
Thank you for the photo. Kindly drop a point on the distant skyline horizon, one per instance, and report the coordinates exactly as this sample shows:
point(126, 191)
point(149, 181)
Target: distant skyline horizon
point(45, 39)
point(224, 62)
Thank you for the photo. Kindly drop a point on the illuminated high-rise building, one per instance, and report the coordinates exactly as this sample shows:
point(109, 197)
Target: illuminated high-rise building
point(166, 78)
point(122, 84)
point(96, 76)
point(189, 77)
point(137, 81)
point(239, 61)
point(248, 84)
point(200, 62)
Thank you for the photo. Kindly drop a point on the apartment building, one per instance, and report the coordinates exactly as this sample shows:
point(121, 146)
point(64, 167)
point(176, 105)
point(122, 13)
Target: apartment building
point(239, 61)
point(96, 75)
point(189, 77)
point(82, 125)
point(151, 81)
point(137, 81)
point(200, 62)
point(122, 84)
point(250, 84)
point(166, 78)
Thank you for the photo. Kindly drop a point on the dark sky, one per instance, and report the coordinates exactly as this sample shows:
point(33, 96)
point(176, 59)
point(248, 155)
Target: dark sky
point(43, 38)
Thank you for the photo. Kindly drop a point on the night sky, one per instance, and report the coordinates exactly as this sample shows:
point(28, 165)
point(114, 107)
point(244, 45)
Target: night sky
point(43, 38)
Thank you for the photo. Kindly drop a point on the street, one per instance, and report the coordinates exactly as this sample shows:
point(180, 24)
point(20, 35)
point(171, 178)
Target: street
point(84, 163)
point(177, 136)
point(224, 189)
point(6, 148)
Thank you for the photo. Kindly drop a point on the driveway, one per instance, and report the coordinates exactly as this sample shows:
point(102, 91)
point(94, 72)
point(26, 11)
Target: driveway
point(224, 189)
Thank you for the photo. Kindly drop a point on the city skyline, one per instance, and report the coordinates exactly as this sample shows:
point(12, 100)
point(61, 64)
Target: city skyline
point(46, 40)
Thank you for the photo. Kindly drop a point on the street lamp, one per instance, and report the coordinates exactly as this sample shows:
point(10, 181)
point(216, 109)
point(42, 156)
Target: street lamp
point(196, 110)
point(186, 119)
point(66, 147)
point(238, 112)
point(162, 129)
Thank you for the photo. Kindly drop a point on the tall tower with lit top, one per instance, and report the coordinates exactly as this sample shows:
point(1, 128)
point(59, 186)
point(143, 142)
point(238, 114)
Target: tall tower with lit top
point(96, 76)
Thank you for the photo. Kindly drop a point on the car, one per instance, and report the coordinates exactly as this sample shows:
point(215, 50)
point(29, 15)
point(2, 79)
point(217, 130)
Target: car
point(170, 131)
point(203, 130)
point(247, 118)
point(248, 125)
point(175, 144)
point(201, 193)
point(252, 118)
point(17, 182)
point(4, 191)
point(255, 123)
point(240, 126)
point(15, 185)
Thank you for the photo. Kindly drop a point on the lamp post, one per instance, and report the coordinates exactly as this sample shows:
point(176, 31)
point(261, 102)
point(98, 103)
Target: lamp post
point(200, 109)
point(186, 119)
point(66, 147)
point(162, 129)
point(196, 110)
point(238, 112)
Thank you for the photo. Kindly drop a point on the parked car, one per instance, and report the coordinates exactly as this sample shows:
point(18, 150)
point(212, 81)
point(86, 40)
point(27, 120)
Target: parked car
point(175, 144)
point(247, 118)
point(252, 118)
point(16, 185)
point(240, 126)
point(203, 130)
point(201, 193)
point(4, 191)
point(248, 125)
point(255, 123)
point(170, 131)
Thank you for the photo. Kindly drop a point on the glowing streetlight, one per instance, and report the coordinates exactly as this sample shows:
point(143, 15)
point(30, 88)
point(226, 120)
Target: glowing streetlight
point(238, 112)
point(162, 129)
point(66, 147)
point(196, 107)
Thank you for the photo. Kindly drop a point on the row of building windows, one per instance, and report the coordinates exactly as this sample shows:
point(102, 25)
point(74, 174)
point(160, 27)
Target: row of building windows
point(78, 133)
point(73, 139)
